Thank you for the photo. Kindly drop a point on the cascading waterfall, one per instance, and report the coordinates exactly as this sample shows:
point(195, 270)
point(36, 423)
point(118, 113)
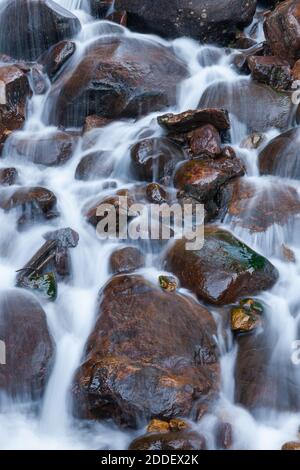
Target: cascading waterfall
point(72, 315)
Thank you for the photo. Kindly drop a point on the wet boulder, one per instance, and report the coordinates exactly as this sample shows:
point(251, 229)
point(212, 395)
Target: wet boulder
point(205, 140)
point(282, 30)
point(152, 354)
point(155, 159)
point(94, 165)
point(264, 379)
point(156, 194)
point(272, 109)
point(40, 24)
point(29, 346)
point(117, 77)
point(8, 176)
point(49, 149)
point(257, 207)
point(32, 204)
point(292, 445)
point(56, 57)
point(223, 270)
point(14, 91)
point(126, 260)
point(95, 122)
point(281, 155)
point(271, 70)
point(208, 21)
point(203, 177)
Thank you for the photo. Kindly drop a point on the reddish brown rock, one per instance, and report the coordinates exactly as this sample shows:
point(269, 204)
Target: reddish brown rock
point(205, 140)
point(29, 346)
point(224, 270)
point(192, 119)
point(257, 207)
point(282, 30)
point(94, 165)
point(39, 23)
point(33, 204)
point(201, 178)
point(8, 176)
point(280, 157)
point(14, 91)
point(49, 150)
point(117, 77)
point(182, 440)
point(56, 57)
point(126, 260)
point(293, 445)
point(95, 122)
point(296, 70)
point(271, 70)
point(156, 194)
point(151, 354)
point(155, 159)
point(272, 109)
point(224, 435)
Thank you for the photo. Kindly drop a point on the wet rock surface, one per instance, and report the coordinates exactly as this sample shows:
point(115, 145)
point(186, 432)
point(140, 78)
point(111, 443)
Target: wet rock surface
point(223, 270)
point(41, 23)
point(126, 260)
point(207, 21)
point(29, 346)
point(117, 77)
point(159, 361)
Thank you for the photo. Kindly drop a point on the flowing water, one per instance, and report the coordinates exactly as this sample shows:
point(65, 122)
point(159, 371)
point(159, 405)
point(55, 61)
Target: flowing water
point(72, 316)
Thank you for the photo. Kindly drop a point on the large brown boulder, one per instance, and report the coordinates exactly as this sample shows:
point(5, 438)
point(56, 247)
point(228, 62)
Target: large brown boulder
point(281, 156)
point(272, 109)
point(204, 20)
point(29, 27)
point(224, 270)
point(117, 76)
point(29, 346)
point(282, 30)
point(179, 440)
point(257, 207)
point(151, 354)
point(49, 149)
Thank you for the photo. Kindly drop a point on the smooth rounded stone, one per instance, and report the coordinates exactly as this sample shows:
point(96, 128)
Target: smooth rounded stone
point(201, 178)
point(181, 440)
point(205, 140)
point(33, 203)
point(281, 155)
point(223, 270)
point(40, 24)
point(161, 426)
point(257, 207)
point(195, 118)
point(262, 379)
point(117, 77)
point(14, 91)
point(155, 159)
point(94, 165)
point(126, 260)
point(210, 21)
point(29, 345)
point(55, 58)
point(152, 354)
point(272, 109)
point(8, 176)
point(284, 22)
point(292, 445)
point(52, 149)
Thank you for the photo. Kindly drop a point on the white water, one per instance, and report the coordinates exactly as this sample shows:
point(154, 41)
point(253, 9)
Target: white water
point(71, 317)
